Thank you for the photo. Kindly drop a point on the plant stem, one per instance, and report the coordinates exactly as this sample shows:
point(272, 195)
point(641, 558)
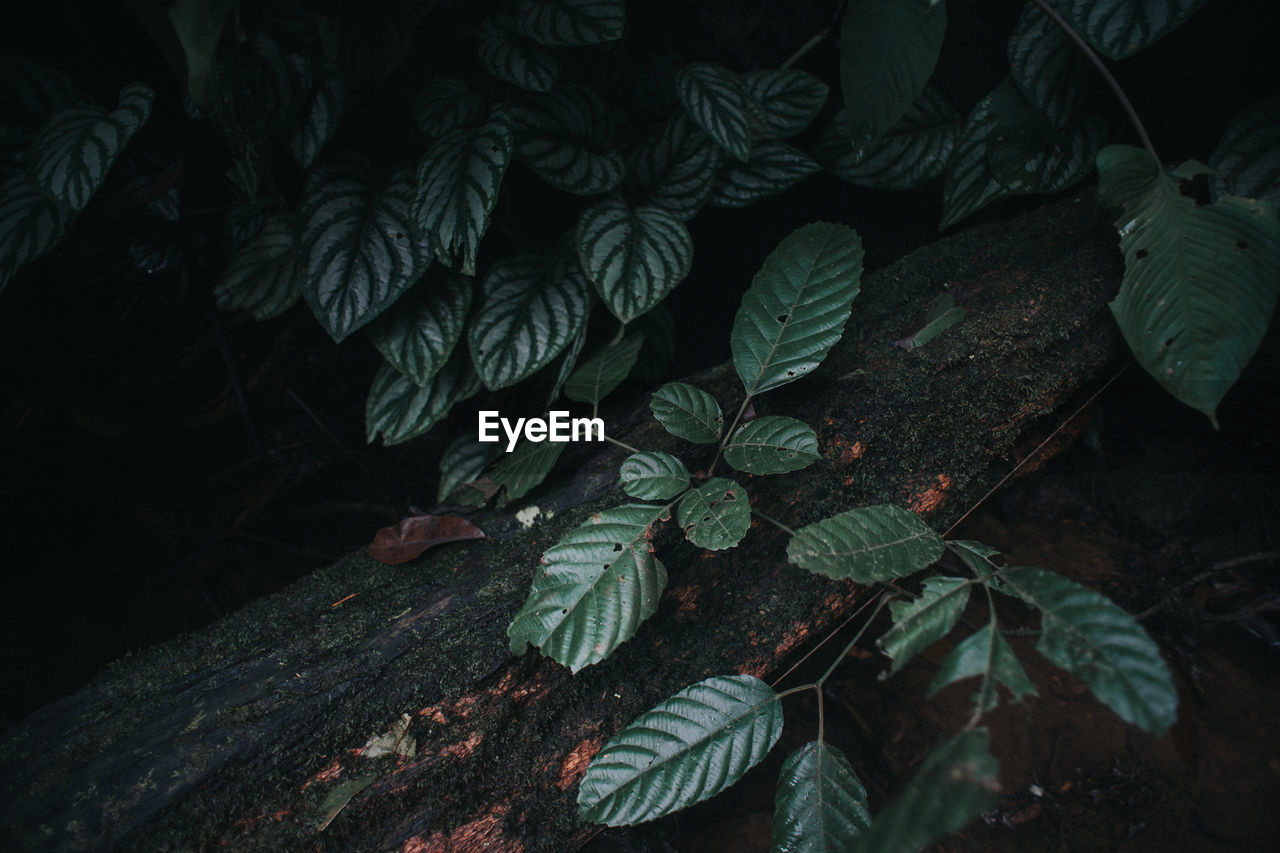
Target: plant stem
point(805, 48)
point(621, 444)
point(823, 642)
point(724, 439)
point(778, 524)
point(849, 647)
point(1093, 57)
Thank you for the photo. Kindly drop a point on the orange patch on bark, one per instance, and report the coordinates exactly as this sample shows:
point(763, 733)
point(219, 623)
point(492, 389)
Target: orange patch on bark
point(931, 498)
point(575, 763)
point(483, 832)
point(687, 599)
point(329, 774)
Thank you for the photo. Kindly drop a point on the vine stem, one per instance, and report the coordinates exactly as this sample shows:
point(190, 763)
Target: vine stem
point(623, 445)
point(805, 48)
point(1097, 62)
point(724, 439)
point(778, 524)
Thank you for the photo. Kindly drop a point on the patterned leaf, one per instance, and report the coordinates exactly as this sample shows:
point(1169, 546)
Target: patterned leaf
point(660, 343)
point(514, 58)
point(716, 515)
point(564, 136)
point(875, 543)
point(1051, 72)
point(920, 623)
point(30, 224)
point(969, 185)
point(567, 364)
point(264, 276)
point(445, 103)
point(77, 145)
point(772, 168)
point(653, 475)
point(821, 805)
point(321, 109)
point(688, 412)
point(633, 257)
point(458, 182)
point(523, 469)
point(594, 588)
point(687, 748)
point(417, 337)
point(361, 245)
point(571, 22)
point(463, 461)
point(598, 376)
point(718, 102)
point(399, 409)
point(532, 307)
point(1248, 155)
point(797, 305)
point(987, 653)
point(1027, 154)
point(772, 445)
point(675, 169)
point(1119, 28)
point(915, 151)
point(791, 99)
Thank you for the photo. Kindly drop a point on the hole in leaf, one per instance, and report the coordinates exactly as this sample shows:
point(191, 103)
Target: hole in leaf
point(729, 496)
point(617, 546)
point(1241, 245)
point(1140, 254)
point(782, 318)
point(564, 611)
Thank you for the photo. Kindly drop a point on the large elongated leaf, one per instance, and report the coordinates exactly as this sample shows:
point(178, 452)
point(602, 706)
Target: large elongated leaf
point(820, 806)
point(653, 475)
point(399, 409)
point(773, 444)
point(875, 543)
point(78, 144)
point(632, 256)
point(571, 22)
point(986, 653)
point(687, 748)
point(716, 515)
point(719, 102)
point(773, 167)
point(1200, 283)
point(419, 335)
point(30, 224)
point(688, 412)
point(458, 182)
point(594, 588)
point(1052, 73)
point(913, 152)
point(674, 169)
point(564, 136)
point(598, 376)
point(791, 98)
point(1086, 634)
point(797, 305)
point(515, 58)
point(1119, 28)
point(532, 307)
point(264, 276)
point(957, 781)
point(920, 623)
point(1248, 155)
point(523, 469)
point(887, 51)
point(361, 245)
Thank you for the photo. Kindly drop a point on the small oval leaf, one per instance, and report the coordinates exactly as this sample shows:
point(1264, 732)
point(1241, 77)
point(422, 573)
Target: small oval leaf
point(30, 224)
point(715, 516)
point(718, 102)
point(772, 444)
point(688, 412)
point(571, 22)
point(412, 536)
point(915, 151)
point(418, 335)
point(463, 461)
point(399, 409)
point(653, 476)
point(790, 98)
point(564, 136)
point(633, 257)
point(820, 805)
point(1119, 28)
point(773, 167)
point(514, 58)
point(921, 622)
point(523, 469)
point(674, 169)
point(875, 543)
point(598, 376)
point(264, 276)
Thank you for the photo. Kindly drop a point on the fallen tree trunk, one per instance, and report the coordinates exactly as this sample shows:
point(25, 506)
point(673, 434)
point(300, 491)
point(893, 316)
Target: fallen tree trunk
point(248, 734)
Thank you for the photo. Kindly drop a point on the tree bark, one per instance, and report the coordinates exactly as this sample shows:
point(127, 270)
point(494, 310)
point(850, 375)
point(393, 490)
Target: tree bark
point(247, 735)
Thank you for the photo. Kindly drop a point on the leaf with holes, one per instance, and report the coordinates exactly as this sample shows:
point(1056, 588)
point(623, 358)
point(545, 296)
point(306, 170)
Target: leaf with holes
point(571, 22)
point(687, 748)
point(463, 461)
point(1027, 154)
point(1200, 283)
point(1086, 634)
point(445, 103)
point(887, 51)
point(797, 305)
point(820, 804)
point(874, 543)
point(515, 58)
point(399, 409)
point(30, 224)
point(688, 412)
point(913, 152)
point(412, 536)
point(420, 334)
point(532, 306)
point(773, 168)
point(594, 588)
point(321, 108)
point(969, 185)
point(772, 444)
point(632, 256)
point(716, 515)
point(264, 276)
point(1120, 28)
point(791, 99)
point(78, 145)
point(523, 469)
point(598, 376)
point(919, 623)
point(1248, 155)
point(360, 244)
point(564, 137)
point(653, 475)
point(987, 653)
point(1051, 72)
point(719, 102)
point(674, 169)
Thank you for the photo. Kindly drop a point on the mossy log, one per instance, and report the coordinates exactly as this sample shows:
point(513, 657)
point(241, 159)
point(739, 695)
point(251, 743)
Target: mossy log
point(248, 735)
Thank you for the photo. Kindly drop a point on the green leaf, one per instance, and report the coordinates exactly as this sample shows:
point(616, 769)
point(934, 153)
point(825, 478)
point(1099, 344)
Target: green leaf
point(957, 781)
point(633, 257)
point(820, 806)
point(674, 169)
point(1248, 155)
point(1120, 28)
point(420, 333)
point(943, 313)
point(458, 182)
point(532, 307)
point(598, 376)
point(1086, 634)
point(653, 475)
point(514, 58)
point(969, 184)
point(660, 343)
point(687, 748)
point(791, 99)
point(797, 305)
point(523, 469)
point(1050, 71)
point(567, 364)
point(78, 144)
point(564, 136)
point(772, 444)
point(30, 224)
point(571, 22)
point(399, 409)
point(1200, 283)
point(264, 276)
point(445, 103)
point(985, 653)
point(688, 412)
point(887, 51)
point(874, 543)
point(360, 244)
point(198, 25)
point(30, 92)
point(921, 622)
point(719, 102)
point(320, 111)
point(977, 557)
point(462, 462)
point(772, 168)
point(594, 588)
point(913, 152)
point(716, 515)
point(1027, 154)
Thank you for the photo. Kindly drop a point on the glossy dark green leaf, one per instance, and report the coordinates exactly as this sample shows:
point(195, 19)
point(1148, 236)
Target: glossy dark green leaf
point(264, 276)
point(399, 409)
point(1027, 154)
point(985, 653)
point(515, 58)
point(1052, 73)
point(318, 119)
point(674, 169)
point(564, 137)
point(969, 184)
point(791, 99)
point(634, 257)
point(874, 543)
point(978, 557)
point(715, 515)
point(687, 748)
point(653, 476)
point(914, 151)
point(523, 469)
point(445, 103)
point(921, 622)
point(417, 336)
point(463, 461)
point(773, 167)
point(820, 806)
point(719, 102)
point(598, 376)
point(688, 412)
point(1248, 155)
point(772, 444)
point(1119, 28)
point(30, 224)
point(571, 22)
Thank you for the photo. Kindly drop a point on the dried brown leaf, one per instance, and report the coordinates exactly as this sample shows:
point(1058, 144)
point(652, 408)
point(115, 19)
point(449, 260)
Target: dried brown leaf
point(415, 534)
